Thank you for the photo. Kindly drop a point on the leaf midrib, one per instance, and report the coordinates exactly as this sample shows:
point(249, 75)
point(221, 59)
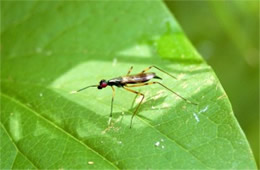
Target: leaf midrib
point(16, 148)
point(57, 127)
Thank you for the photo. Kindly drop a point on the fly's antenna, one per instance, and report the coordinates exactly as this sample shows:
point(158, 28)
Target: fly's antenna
point(83, 89)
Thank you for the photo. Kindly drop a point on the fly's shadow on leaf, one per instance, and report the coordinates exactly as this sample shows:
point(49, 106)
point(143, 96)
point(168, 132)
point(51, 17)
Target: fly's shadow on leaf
point(154, 102)
point(151, 103)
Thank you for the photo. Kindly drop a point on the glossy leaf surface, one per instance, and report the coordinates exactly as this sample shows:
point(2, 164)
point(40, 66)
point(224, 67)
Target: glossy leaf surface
point(51, 48)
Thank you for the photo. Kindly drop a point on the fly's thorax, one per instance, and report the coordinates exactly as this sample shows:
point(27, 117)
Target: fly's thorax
point(115, 81)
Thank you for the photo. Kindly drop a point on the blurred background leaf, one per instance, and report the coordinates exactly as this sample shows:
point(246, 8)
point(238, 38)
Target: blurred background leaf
point(51, 48)
point(226, 33)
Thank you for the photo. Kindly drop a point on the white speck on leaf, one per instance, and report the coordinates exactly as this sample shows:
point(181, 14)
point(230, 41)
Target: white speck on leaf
point(41, 94)
point(196, 117)
point(162, 140)
point(203, 110)
point(90, 162)
point(162, 147)
point(157, 144)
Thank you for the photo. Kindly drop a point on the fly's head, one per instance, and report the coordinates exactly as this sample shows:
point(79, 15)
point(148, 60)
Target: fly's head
point(102, 84)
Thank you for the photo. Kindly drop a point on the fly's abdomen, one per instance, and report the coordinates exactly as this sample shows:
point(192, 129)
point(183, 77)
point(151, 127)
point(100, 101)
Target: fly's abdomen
point(138, 78)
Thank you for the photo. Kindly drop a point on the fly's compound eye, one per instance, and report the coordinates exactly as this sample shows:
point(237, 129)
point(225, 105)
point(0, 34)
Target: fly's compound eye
point(103, 84)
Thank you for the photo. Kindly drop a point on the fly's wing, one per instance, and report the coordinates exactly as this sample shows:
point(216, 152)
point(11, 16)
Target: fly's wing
point(138, 78)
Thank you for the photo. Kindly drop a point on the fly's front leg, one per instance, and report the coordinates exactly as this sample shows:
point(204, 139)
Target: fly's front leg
point(138, 93)
point(112, 103)
point(129, 71)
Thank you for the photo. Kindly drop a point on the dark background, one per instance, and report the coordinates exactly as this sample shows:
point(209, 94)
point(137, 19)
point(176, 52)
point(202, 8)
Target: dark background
point(226, 34)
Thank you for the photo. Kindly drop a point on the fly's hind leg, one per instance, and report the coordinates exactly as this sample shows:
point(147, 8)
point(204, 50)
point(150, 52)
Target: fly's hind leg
point(138, 93)
point(154, 82)
point(150, 83)
point(148, 68)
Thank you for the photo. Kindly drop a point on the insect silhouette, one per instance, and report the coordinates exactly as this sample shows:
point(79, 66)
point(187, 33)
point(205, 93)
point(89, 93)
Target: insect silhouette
point(134, 80)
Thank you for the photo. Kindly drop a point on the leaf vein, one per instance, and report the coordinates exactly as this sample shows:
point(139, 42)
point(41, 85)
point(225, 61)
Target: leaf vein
point(16, 147)
point(59, 128)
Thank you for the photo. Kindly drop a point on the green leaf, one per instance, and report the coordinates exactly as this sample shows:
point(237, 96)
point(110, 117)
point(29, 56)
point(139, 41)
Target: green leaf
point(49, 49)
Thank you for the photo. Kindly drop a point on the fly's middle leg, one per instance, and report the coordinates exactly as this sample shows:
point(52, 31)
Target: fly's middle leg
point(148, 68)
point(138, 93)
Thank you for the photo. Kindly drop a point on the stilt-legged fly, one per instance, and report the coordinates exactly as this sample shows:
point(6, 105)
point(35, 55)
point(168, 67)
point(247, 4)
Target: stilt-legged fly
point(135, 80)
